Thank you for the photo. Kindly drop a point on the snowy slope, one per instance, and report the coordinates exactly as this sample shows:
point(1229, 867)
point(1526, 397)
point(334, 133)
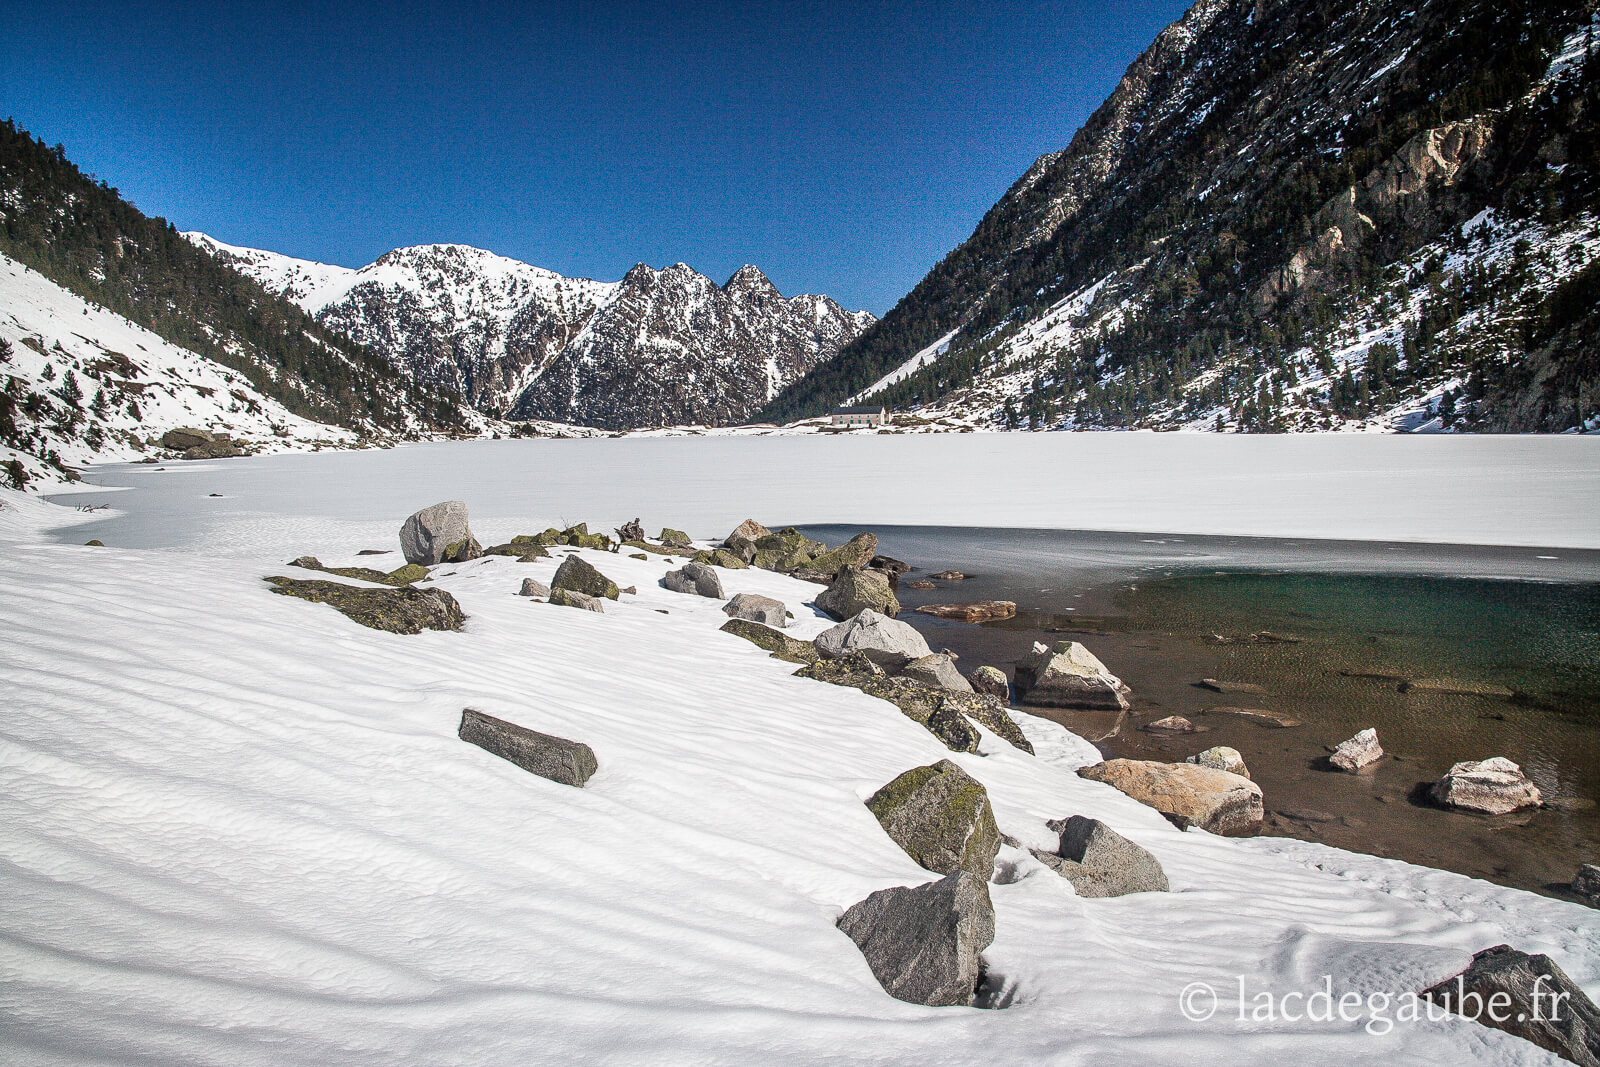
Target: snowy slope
point(240, 829)
point(148, 385)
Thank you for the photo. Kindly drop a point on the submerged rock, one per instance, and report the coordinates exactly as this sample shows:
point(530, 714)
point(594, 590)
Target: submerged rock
point(439, 534)
point(1068, 675)
point(1455, 687)
point(1357, 752)
point(781, 645)
point(695, 579)
point(577, 575)
point(556, 758)
point(1172, 724)
point(949, 576)
point(1528, 996)
point(1492, 786)
point(992, 681)
point(405, 610)
point(1099, 862)
point(921, 585)
point(855, 591)
point(924, 944)
point(975, 611)
point(885, 641)
point(1186, 793)
point(938, 670)
point(1257, 716)
point(941, 816)
point(720, 557)
point(1221, 685)
point(755, 608)
point(1221, 758)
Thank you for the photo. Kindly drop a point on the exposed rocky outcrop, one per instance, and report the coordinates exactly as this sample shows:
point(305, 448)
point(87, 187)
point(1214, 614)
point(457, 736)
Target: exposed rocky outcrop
point(696, 579)
point(1221, 758)
point(991, 681)
point(938, 670)
point(405, 575)
point(533, 587)
point(856, 553)
point(571, 598)
point(406, 610)
point(556, 758)
point(1187, 794)
point(924, 944)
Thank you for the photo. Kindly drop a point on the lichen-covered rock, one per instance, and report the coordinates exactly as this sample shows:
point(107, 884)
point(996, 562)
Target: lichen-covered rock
point(1356, 753)
point(853, 592)
point(533, 587)
point(748, 530)
point(720, 557)
point(785, 551)
point(941, 816)
point(756, 608)
point(924, 944)
point(696, 579)
point(403, 610)
point(579, 576)
point(405, 575)
point(856, 552)
point(525, 550)
point(991, 680)
point(989, 711)
point(1491, 787)
point(1221, 758)
point(933, 709)
point(674, 538)
point(1067, 675)
point(938, 670)
point(1186, 793)
point(571, 598)
point(885, 641)
point(742, 547)
point(556, 758)
point(1099, 862)
point(781, 645)
point(429, 535)
point(1530, 997)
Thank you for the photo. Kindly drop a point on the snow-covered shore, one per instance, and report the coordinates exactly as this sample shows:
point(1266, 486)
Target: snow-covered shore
point(239, 828)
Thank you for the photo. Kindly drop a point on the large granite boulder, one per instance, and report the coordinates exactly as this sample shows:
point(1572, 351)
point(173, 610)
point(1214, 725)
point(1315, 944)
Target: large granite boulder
point(439, 534)
point(1356, 753)
point(856, 591)
point(856, 553)
point(1221, 758)
point(1186, 793)
point(941, 816)
point(555, 758)
point(885, 641)
point(781, 645)
point(1067, 675)
point(748, 530)
point(1492, 787)
point(1528, 996)
point(183, 438)
point(924, 944)
point(579, 576)
point(756, 608)
point(991, 680)
point(403, 610)
point(696, 579)
point(938, 670)
point(1099, 862)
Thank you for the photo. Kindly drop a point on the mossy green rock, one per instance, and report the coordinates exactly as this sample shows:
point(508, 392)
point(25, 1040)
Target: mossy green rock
point(588, 540)
point(856, 552)
point(646, 546)
point(461, 551)
point(582, 529)
point(527, 550)
point(674, 538)
point(854, 591)
point(941, 816)
point(411, 572)
point(781, 645)
point(720, 557)
point(406, 610)
point(579, 576)
point(922, 704)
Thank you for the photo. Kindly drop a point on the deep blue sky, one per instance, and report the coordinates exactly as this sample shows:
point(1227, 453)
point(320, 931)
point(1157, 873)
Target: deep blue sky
point(843, 148)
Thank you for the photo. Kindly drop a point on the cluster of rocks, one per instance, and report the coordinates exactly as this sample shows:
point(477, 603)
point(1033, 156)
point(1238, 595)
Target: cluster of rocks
point(191, 442)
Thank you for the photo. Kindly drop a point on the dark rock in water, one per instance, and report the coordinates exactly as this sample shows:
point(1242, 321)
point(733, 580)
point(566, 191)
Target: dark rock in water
point(1217, 685)
point(533, 587)
point(1258, 716)
point(439, 534)
point(406, 610)
point(1067, 675)
point(696, 579)
point(1527, 996)
point(781, 645)
point(674, 538)
point(183, 438)
point(889, 566)
point(991, 680)
point(923, 944)
point(1099, 862)
point(921, 585)
point(941, 816)
point(571, 598)
point(1267, 637)
point(937, 670)
point(949, 576)
point(756, 608)
point(1187, 794)
point(579, 576)
point(556, 758)
point(855, 591)
point(630, 531)
point(976, 611)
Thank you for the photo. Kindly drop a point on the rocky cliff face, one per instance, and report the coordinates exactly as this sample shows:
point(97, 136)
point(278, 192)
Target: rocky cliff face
point(1288, 215)
point(518, 342)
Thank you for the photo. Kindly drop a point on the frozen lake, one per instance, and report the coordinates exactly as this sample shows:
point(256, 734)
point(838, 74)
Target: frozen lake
point(1530, 491)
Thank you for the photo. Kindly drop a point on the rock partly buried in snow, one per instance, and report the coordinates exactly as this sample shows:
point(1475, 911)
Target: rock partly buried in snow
point(1186, 793)
point(755, 608)
point(555, 758)
point(749, 530)
point(935, 710)
point(1586, 883)
point(885, 641)
point(1528, 996)
point(183, 438)
point(992, 681)
point(781, 645)
point(1492, 786)
point(975, 611)
point(1357, 752)
point(1172, 724)
point(1099, 862)
point(941, 816)
point(924, 944)
point(404, 610)
point(405, 575)
point(577, 575)
point(936, 670)
point(854, 591)
point(533, 587)
point(696, 579)
point(1068, 676)
point(439, 534)
point(571, 598)
point(1221, 758)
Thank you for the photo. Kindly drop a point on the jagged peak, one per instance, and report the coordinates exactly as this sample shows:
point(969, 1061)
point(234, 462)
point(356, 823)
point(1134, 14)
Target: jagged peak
point(748, 280)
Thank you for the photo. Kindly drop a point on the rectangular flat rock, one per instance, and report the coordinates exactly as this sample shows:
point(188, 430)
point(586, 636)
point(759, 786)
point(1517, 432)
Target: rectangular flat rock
point(556, 758)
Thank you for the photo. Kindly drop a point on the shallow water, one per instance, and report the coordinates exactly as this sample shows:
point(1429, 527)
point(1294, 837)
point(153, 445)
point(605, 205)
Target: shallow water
point(1165, 612)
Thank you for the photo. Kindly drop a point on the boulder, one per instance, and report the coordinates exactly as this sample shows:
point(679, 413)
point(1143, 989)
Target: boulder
point(1186, 793)
point(1586, 883)
point(889, 567)
point(1356, 753)
point(748, 530)
point(183, 438)
point(436, 534)
point(949, 576)
point(403, 610)
point(989, 711)
point(936, 670)
point(533, 587)
point(1068, 675)
point(1492, 787)
point(885, 641)
point(855, 591)
point(1172, 724)
point(991, 680)
point(941, 816)
point(1099, 862)
point(674, 538)
point(781, 645)
point(1528, 996)
point(755, 608)
point(1221, 758)
point(221, 448)
point(577, 575)
point(976, 611)
point(695, 578)
point(924, 944)
point(856, 552)
point(935, 710)
point(556, 758)
point(571, 598)
point(742, 548)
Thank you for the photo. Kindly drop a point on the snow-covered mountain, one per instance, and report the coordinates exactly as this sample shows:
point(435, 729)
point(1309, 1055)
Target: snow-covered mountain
point(1299, 215)
point(659, 347)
